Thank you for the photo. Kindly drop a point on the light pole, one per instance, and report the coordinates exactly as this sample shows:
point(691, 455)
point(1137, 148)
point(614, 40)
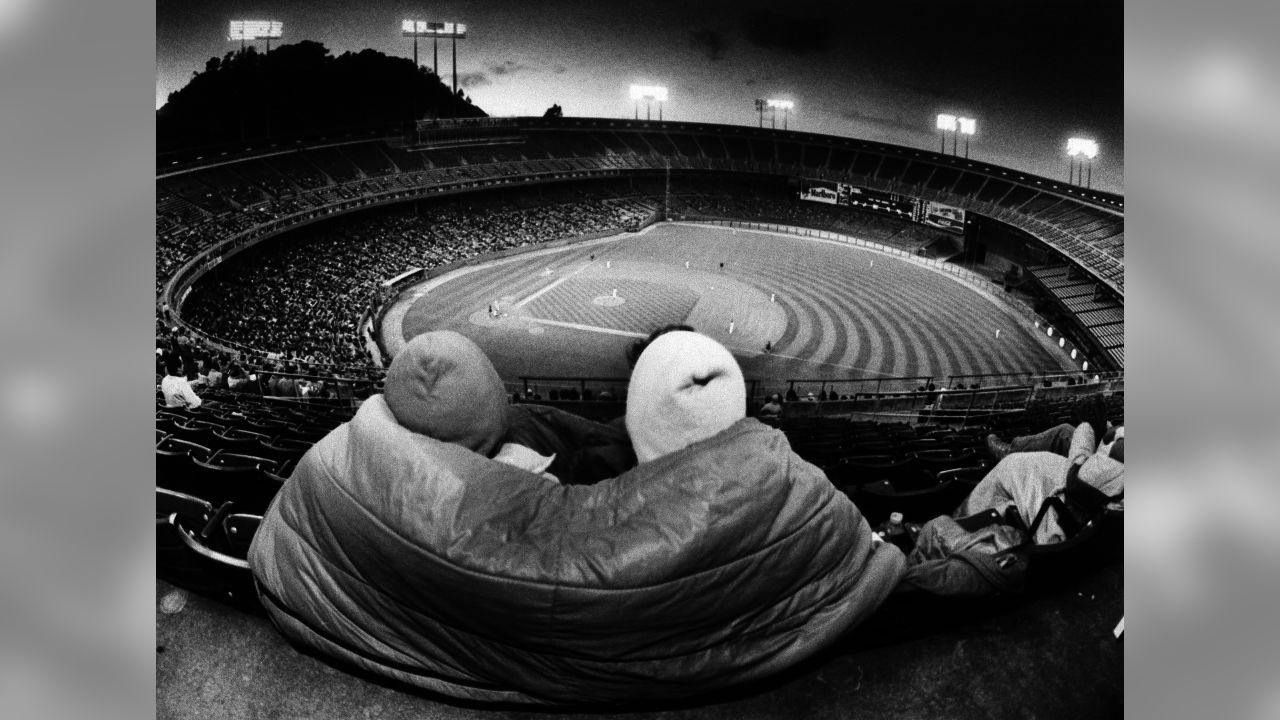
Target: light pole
point(760, 105)
point(786, 106)
point(436, 30)
point(243, 30)
point(967, 127)
point(946, 123)
point(648, 93)
point(1085, 148)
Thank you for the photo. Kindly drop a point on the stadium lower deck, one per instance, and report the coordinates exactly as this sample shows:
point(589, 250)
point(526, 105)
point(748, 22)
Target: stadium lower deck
point(827, 309)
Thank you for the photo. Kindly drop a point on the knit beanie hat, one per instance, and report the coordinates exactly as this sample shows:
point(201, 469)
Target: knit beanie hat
point(685, 387)
point(443, 386)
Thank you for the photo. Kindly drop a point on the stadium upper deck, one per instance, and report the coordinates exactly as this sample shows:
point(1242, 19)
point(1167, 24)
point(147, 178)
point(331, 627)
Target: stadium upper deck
point(1085, 226)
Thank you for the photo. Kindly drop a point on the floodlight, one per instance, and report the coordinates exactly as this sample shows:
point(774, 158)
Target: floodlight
point(967, 125)
point(1082, 146)
point(781, 104)
point(422, 28)
point(649, 92)
point(255, 29)
point(946, 122)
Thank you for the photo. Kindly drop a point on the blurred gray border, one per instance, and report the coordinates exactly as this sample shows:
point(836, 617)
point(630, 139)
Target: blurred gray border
point(76, 298)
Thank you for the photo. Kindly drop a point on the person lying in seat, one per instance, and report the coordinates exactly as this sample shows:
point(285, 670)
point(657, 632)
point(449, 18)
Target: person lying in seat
point(1024, 480)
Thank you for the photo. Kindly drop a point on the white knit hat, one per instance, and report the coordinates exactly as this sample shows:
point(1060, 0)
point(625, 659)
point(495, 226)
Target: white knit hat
point(685, 387)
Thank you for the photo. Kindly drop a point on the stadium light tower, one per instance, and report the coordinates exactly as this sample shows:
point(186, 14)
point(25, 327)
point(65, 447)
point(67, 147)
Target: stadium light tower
point(243, 30)
point(967, 127)
point(760, 105)
point(1086, 149)
point(786, 106)
point(414, 29)
point(435, 31)
point(946, 123)
point(648, 93)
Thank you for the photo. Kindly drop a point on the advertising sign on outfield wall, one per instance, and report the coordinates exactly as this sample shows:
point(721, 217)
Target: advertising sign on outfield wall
point(942, 216)
point(819, 193)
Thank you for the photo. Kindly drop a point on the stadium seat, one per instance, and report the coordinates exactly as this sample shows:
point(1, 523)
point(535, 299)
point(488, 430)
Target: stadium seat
point(936, 461)
point(939, 497)
point(967, 477)
point(282, 471)
point(1099, 540)
point(197, 567)
point(198, 432)
point(238, 441)
point(193, 511)
point(174, 463)
point(282, 449)
point(241, 479)
point(860, 470)
point(238, 530)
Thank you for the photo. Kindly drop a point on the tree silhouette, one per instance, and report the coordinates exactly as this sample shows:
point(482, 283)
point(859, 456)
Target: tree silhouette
point(299, 90)
point(553, 112)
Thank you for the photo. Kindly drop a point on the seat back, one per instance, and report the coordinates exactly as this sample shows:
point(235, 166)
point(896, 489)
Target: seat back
point(282, 449)
point(238, 530)
point(190, 563)
point(240, 479)
point(191, 510)
point(239, 441)
point(174, 464)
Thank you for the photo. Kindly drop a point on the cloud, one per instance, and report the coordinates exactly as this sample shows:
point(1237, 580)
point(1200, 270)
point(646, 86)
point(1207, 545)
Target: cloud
point(790, 35)
point(486, 76)
point(508, 67)
point(473, 80)
point(708, 42)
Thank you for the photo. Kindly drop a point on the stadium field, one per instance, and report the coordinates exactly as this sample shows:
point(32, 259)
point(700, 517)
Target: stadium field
point(829, 310)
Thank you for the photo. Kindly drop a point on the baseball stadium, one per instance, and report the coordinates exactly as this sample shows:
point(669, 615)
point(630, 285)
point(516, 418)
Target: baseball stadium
point(901, 318)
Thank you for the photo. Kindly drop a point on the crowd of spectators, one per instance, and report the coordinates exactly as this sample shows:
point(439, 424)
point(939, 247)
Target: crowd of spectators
point(301, 297)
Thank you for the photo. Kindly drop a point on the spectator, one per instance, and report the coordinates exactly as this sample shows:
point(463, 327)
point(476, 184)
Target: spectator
point(175, 387)
point(772, 407)
point(1023, 480)
point(214, 378)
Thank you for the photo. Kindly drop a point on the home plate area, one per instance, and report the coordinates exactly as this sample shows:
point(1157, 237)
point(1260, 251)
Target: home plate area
point(638, 306)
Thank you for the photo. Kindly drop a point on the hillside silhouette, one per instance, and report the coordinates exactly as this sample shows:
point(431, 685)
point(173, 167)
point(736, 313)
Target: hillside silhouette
point(301, 90)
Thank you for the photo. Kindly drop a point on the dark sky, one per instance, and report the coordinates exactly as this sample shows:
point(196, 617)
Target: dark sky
point(1032, 72)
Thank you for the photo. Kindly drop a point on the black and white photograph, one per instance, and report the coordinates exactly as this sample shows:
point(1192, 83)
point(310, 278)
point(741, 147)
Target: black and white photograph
point(696, 360)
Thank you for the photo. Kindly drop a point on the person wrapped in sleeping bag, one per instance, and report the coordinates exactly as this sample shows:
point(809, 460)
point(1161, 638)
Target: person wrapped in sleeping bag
point(402, 547)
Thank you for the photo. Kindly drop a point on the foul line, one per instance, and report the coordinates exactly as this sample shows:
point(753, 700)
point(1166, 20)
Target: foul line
point(588, 328)
point(551, 286)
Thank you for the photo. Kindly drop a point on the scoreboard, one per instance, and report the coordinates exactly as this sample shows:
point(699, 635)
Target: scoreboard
point(907, 207)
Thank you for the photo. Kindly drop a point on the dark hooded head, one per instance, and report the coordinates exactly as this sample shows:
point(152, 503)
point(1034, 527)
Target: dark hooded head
point(443, 386)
